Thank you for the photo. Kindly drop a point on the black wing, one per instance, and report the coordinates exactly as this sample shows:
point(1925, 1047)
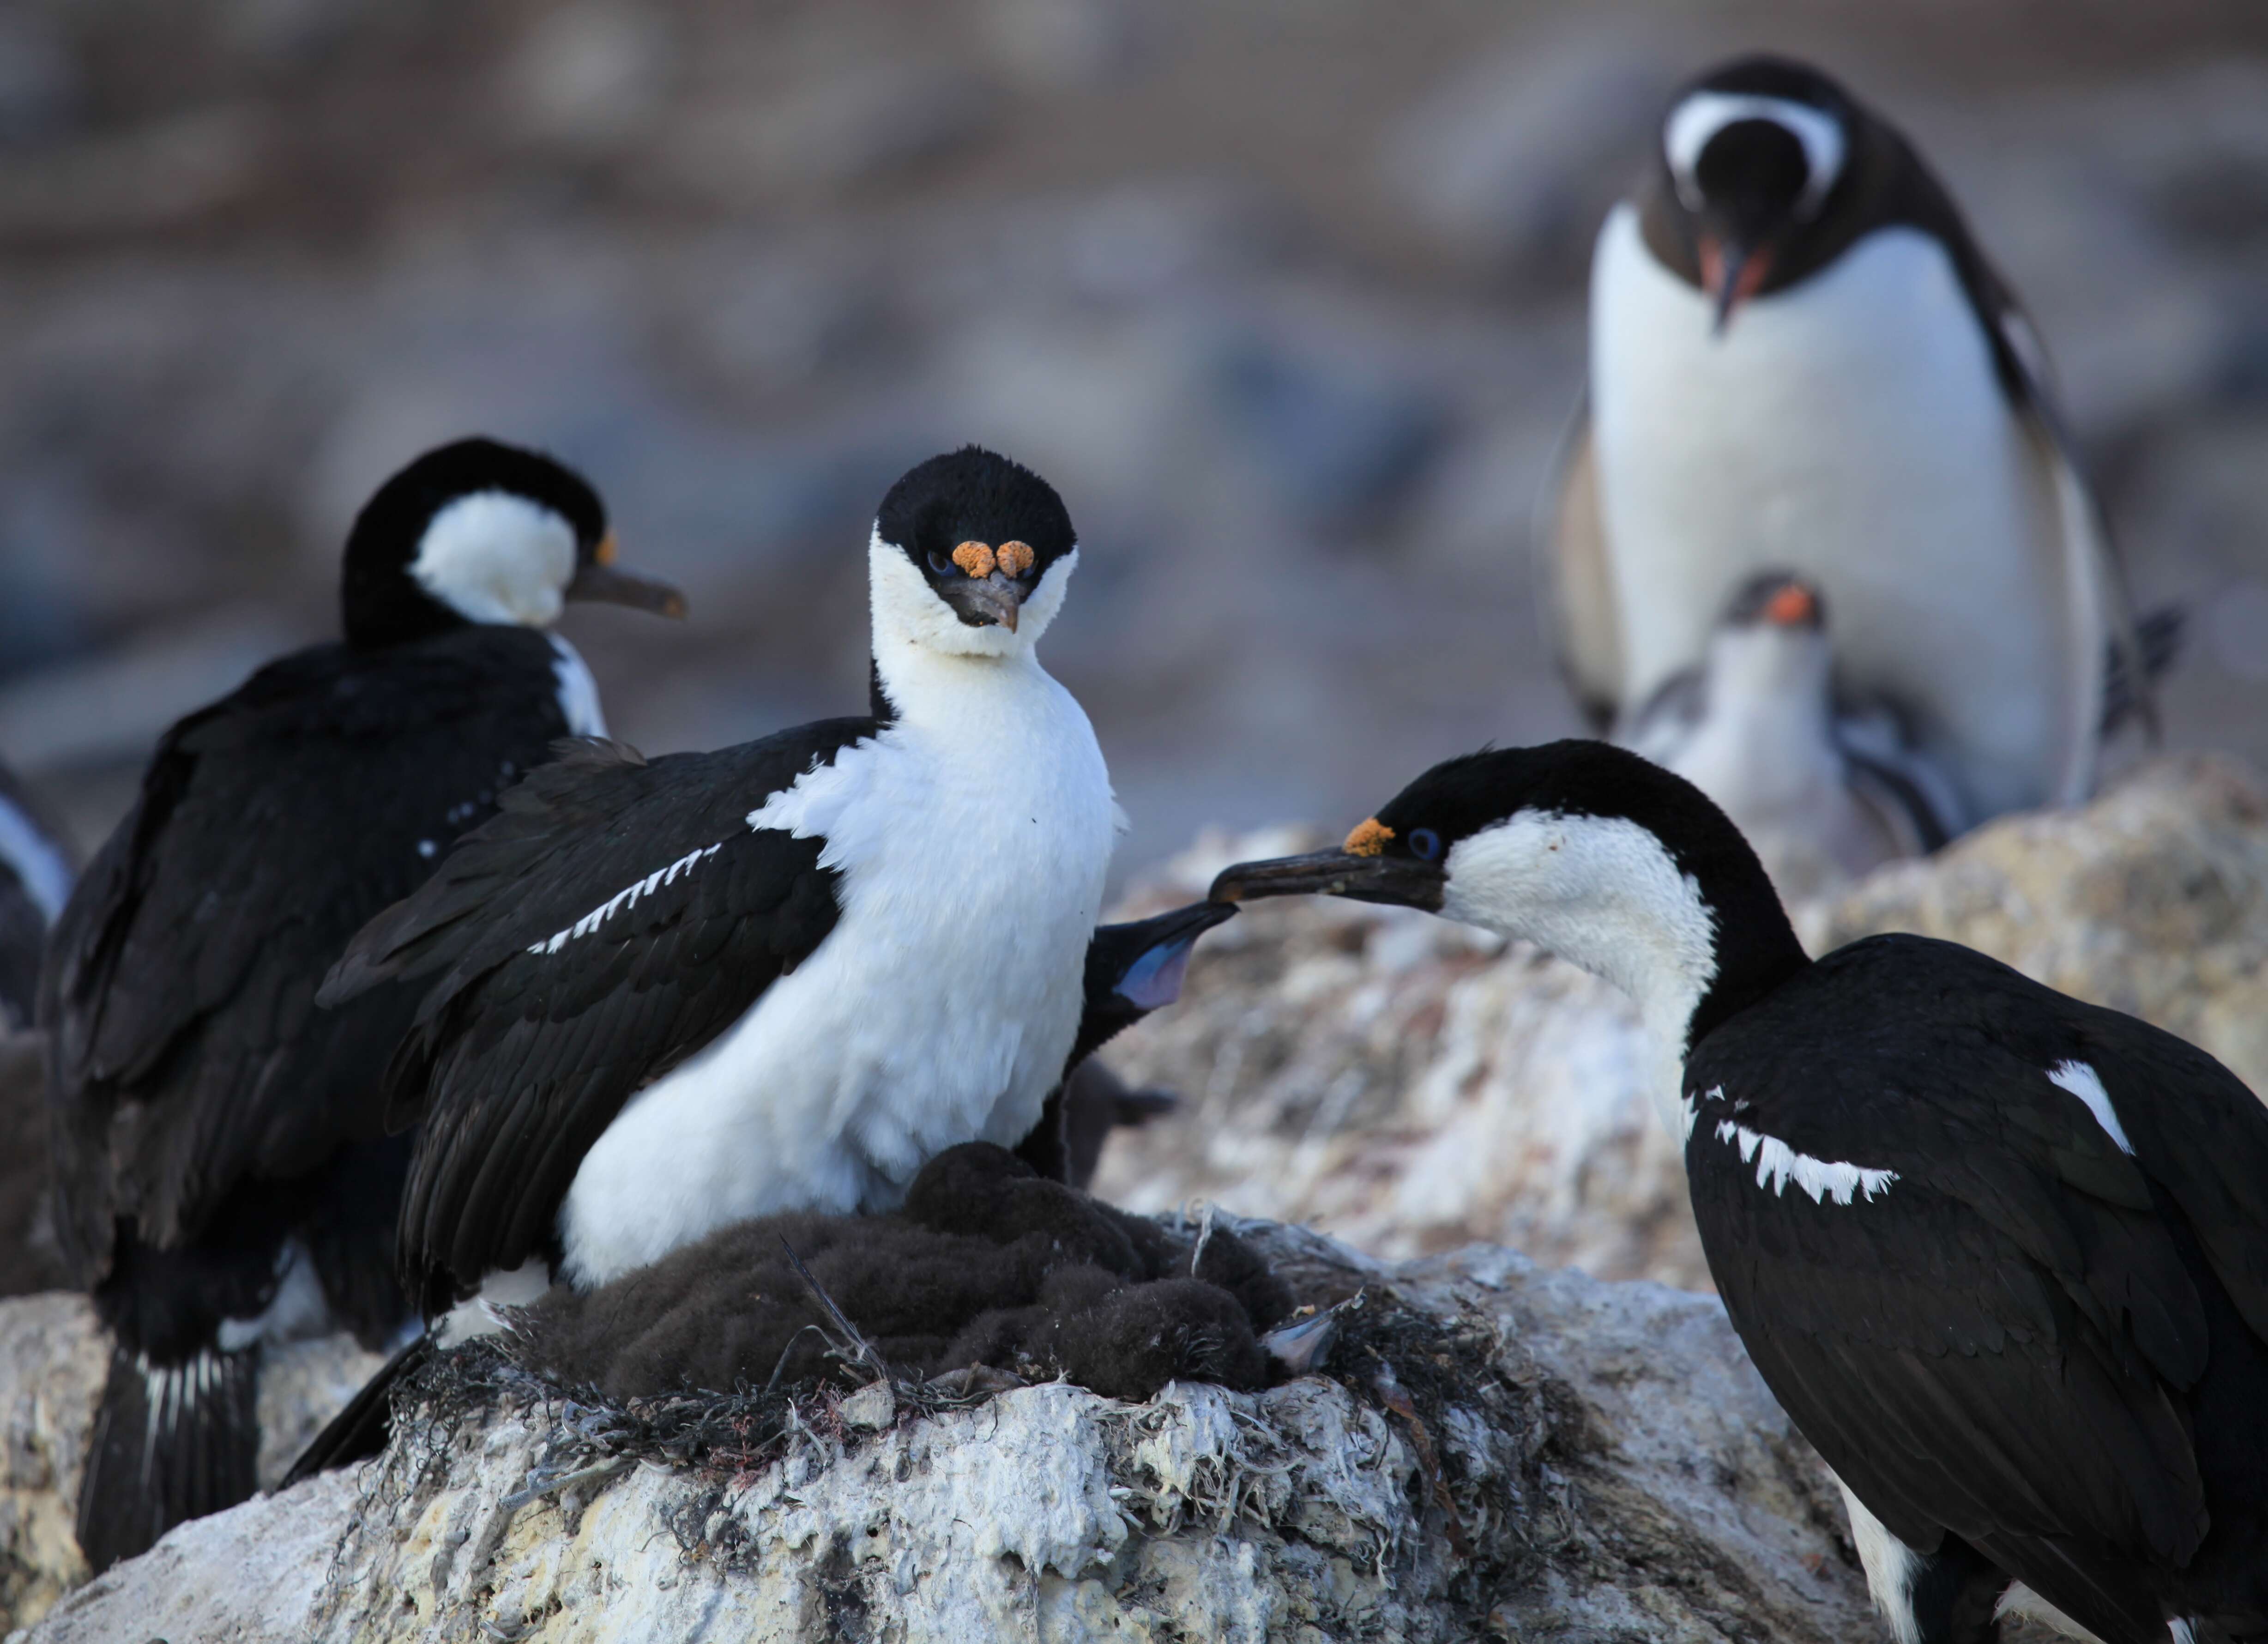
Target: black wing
point(2008, 1339)
point(611, 921)
point(179, 983)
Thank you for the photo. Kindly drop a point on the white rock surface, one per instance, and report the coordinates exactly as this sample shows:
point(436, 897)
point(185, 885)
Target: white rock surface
point(53, 1360)
point(1614, 1468)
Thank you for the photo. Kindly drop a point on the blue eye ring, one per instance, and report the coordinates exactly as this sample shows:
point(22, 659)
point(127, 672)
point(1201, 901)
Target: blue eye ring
point(1426, 845)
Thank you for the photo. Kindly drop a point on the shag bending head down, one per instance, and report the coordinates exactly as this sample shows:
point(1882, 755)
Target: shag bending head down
point(2002, 1255)
point(1582, 848)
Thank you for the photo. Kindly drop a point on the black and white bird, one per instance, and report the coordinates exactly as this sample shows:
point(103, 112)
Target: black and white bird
point(1132, 969)
point(223, 1172)
point(659, 998)
point(2001, 1255)
point(1824, 788)
point(1800, 358)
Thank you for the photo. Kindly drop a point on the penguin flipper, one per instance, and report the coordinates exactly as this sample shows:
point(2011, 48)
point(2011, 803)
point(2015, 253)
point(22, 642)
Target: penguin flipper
point(1582, 623)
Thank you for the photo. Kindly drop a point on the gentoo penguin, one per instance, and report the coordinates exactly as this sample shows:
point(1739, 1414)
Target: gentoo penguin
point(1801, 359)
point(2002, 1256)
point(1824, 789)
point(662, 997)
point(223, 1174)
point(1132, 969)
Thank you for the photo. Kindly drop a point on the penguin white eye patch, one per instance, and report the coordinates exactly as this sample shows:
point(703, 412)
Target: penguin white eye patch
point(1704, 115)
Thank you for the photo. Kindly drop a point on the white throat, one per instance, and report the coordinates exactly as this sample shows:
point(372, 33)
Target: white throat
point(1601, 893)
point(495, 557)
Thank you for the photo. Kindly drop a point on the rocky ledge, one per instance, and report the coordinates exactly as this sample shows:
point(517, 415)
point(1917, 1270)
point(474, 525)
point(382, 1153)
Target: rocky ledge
point(1496, 1451)
point(1492, 1449)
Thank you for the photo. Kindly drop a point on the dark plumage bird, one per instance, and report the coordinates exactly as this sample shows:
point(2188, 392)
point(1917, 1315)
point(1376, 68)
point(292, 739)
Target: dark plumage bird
point(223, 1171)
point(660, 998)
point(1801, 358)
point(2003, 1256)
point(1132, 969)
point(986, 1264)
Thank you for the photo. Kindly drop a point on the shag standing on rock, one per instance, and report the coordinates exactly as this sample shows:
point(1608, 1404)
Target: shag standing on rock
point(2003, 1256)
point(660, 998)
point(1800, 358)
point(223, 1174)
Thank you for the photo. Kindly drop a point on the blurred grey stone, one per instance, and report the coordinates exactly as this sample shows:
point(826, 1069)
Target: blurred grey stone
point(160, 176)
point(1517, 158)
point(851, 126)
point(586, 77)
point(40, 85)
point(1071, 45)
point(1340, 442)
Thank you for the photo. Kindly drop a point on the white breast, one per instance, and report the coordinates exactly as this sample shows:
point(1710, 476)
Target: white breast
point(973, 840)
point(1849, 430)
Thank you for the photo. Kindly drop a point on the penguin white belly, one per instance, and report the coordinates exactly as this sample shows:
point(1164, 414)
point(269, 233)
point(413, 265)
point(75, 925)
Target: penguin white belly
point(1783, 783)
point(973, 859)
point(1849, 430)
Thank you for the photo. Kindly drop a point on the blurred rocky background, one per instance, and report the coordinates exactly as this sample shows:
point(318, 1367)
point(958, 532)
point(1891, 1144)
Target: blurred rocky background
point(1287, 299)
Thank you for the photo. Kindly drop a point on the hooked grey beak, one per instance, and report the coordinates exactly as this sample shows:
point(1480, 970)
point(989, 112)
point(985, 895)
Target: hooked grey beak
point(1400, 882)
point(983, 601)
point(600, 580)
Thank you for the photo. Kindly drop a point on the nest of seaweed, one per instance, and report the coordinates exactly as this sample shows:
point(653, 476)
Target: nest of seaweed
point(1441, 1382)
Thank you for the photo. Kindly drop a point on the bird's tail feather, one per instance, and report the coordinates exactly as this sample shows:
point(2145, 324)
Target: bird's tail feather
point(360, 1430)
point(171, 1442)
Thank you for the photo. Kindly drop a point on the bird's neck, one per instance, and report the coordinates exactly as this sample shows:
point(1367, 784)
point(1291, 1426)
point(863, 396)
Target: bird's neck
point(915, 684)
point(1693, 939)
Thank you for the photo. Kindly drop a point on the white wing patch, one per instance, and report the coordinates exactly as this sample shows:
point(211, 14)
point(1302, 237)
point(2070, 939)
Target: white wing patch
point(626, 898)
point(2083, 1082)
point(1777, 1164)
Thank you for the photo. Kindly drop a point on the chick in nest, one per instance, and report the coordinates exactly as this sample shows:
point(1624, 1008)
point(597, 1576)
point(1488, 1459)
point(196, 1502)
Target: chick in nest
point(988, 1264)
